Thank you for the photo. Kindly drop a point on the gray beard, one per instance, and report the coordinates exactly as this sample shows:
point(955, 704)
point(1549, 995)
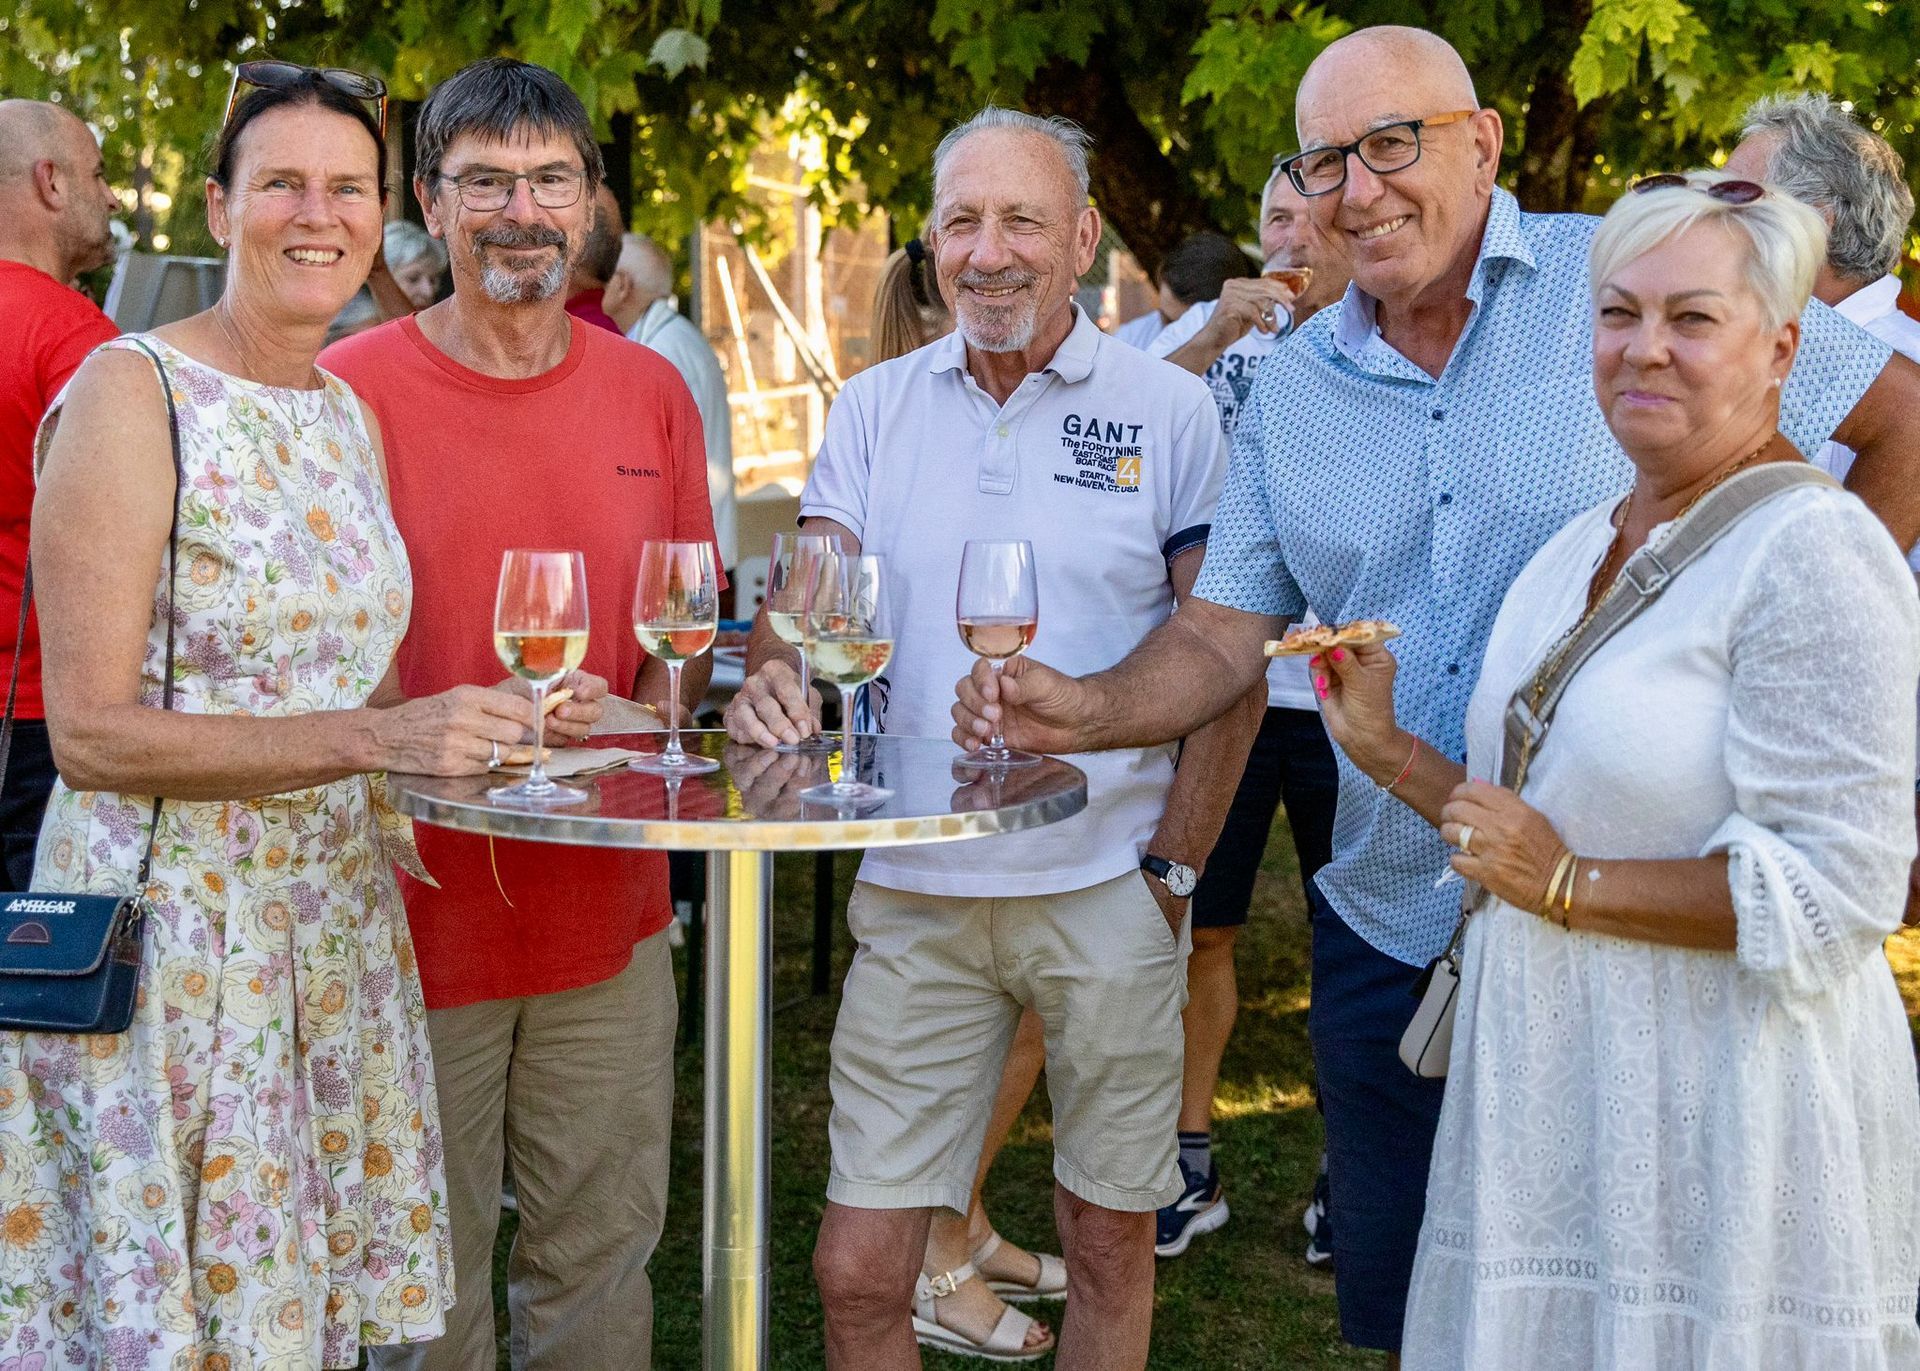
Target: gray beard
point(1015, 338)
point(505, 286)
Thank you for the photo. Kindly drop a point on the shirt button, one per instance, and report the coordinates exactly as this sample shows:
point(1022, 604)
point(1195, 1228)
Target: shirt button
point(1445, 498)
point(1453, 668)
point(1000, 432)
point(1437, 414)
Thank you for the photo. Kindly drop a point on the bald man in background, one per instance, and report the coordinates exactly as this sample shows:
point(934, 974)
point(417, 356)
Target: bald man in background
point(640, 300)
point(55, 208)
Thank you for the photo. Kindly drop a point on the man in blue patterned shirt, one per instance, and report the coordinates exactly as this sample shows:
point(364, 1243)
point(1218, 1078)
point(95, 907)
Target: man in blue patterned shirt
point(1403, 459)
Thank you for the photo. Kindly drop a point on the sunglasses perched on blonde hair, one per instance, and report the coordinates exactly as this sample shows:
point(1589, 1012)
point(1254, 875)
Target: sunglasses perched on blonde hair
point(1734, 192)
point(268, 74)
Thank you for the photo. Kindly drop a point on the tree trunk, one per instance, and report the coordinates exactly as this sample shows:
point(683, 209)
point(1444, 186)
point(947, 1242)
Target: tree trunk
point(1553, 162)
point(1148, 200)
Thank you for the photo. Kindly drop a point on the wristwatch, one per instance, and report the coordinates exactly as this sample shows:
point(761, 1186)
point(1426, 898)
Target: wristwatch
point(1179, 879)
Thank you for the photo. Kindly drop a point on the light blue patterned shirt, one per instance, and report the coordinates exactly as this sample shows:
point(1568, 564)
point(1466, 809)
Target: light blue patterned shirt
point(1363, 488)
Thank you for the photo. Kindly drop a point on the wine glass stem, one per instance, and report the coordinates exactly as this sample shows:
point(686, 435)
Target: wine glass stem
point(673, 709)
point(537, 778)
point(806, 684)
point(849, 769)
point(997, 744)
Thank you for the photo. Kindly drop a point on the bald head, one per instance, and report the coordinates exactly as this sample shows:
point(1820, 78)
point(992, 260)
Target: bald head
point(55, 203)
point(1423, 66)
point(643, 275)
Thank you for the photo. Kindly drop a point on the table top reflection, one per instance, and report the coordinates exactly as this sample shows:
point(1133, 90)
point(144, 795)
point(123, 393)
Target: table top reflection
point(753, 801)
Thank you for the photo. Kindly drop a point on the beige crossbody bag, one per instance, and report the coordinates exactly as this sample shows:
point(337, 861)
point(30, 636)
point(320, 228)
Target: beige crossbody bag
point(1428, 1042)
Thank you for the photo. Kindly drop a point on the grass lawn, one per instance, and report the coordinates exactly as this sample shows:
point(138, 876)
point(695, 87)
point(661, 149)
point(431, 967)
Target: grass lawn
point(1239, 1298)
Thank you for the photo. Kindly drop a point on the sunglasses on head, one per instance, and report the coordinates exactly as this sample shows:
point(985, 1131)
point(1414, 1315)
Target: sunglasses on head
point(1732, 192)
point(267, 74)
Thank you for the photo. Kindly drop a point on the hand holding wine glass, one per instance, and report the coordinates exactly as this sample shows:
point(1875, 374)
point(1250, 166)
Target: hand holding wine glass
point(791, 574)
point(540, 631)
point(850, 639)
point(676, 614)
point(998, 610)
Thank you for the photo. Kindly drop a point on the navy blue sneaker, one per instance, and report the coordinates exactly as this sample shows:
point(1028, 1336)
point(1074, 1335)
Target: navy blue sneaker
point(1202, 1208)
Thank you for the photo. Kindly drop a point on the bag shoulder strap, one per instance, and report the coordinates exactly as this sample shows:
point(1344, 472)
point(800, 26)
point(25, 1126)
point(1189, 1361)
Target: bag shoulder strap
point(173, 562)
point(1642, 580)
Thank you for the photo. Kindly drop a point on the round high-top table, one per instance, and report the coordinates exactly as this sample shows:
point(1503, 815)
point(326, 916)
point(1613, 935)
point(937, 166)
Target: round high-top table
point(742, 814)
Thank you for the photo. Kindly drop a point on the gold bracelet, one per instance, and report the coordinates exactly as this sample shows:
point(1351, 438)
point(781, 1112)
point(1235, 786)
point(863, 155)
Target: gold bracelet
point(1566, 900)
point(1553, 885)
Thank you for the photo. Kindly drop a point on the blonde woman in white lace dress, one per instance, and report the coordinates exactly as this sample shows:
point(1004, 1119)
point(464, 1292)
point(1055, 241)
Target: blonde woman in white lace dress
point(250, 1176)
point(1682, 1128)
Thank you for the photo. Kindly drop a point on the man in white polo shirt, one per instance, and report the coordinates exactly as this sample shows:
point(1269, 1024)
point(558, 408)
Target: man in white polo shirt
point(1224, 342)
point(1026, 422)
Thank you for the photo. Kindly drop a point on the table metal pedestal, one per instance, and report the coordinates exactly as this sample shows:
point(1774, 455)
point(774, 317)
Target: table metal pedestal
point(742, 814)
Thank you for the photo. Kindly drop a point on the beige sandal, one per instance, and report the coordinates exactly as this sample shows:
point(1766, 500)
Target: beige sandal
point(1007, 1342)
point(1050, 1284)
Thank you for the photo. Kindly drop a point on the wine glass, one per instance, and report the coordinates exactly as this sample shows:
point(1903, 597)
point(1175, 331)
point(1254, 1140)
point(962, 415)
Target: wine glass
point(790, 578)
point(998, 610)
point(850, 638)
point(1295, 278)
point(540, 632)
point(676, 613)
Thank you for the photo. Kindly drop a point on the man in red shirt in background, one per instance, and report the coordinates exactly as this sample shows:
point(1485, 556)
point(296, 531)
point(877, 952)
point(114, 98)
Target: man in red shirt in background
point(598, 260)
point(549, 989)
point(55, 206)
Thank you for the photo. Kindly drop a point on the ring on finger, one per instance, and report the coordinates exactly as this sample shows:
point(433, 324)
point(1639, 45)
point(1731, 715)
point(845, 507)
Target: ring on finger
point(493, 758)
point(1466, 839)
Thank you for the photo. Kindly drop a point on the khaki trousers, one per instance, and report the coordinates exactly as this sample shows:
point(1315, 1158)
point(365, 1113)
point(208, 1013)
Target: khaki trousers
point(576, 1090)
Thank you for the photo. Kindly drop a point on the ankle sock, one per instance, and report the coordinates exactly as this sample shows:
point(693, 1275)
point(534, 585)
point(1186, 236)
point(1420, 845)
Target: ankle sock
point(1196, 1152)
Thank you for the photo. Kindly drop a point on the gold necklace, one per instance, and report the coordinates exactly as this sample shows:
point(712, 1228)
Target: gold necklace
point(297, 421)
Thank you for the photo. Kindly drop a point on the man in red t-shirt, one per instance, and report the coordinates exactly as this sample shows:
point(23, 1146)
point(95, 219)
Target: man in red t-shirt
point(549, 988)
point(55, 205)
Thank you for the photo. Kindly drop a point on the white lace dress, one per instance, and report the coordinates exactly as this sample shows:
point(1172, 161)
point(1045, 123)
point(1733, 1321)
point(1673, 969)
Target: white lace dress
point(1669, 1160)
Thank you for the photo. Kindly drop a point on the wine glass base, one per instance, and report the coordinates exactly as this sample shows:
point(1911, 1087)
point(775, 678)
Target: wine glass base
point(1003, 759)
point(673, 764)
point(817, 743)
point(848, 793)
point(528, 793)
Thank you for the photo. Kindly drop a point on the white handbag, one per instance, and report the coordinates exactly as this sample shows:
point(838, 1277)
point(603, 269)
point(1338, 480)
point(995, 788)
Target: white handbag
point(1427, 1044)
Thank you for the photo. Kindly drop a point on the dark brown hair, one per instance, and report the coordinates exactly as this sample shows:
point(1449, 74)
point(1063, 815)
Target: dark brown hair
point(312, 90)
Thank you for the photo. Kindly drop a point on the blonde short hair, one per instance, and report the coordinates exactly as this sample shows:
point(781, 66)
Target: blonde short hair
point(1785, 241)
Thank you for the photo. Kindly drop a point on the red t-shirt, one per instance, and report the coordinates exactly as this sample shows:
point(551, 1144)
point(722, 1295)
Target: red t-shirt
point(587, 305)
point(599, 454)
point(50, 330)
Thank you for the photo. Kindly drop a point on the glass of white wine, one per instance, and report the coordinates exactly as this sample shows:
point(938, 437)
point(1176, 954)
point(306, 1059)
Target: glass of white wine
point(676, 613)
point(998, 610)
point(850, 638)
point(540, 632)
point(791, 573)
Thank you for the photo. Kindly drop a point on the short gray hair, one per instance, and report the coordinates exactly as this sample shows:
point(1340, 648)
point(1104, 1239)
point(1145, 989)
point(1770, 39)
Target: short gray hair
point(405, 243)
point(1784, 239)
point(1826, 159)
point(1073, 141)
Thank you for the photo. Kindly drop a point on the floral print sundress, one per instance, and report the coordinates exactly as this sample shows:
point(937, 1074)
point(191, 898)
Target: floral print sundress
point(250, 1177)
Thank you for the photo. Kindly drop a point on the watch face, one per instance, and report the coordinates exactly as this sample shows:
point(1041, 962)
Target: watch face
point(1181, 879)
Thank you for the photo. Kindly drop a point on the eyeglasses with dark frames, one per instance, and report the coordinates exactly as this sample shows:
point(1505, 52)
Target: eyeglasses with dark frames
point(489, 189)
point(1389, 148)
point(268, 74)
point(1734, 192)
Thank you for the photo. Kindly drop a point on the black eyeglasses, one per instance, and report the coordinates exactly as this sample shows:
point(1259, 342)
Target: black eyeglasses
point(489, 190)
point(1733, 192)
point(1389, 148)
point(268, 74)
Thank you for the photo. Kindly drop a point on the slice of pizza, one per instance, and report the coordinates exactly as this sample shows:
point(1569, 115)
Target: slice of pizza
point(1312, 638)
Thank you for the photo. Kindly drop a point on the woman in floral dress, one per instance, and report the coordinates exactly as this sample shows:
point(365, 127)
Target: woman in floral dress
point(250, 1176)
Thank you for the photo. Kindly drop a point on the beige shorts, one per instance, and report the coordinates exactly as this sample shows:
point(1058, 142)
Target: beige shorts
point(929, 1010)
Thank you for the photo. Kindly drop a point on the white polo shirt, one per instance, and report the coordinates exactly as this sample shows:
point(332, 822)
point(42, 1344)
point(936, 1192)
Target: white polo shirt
point(1230, 378)
point(1109, 462)
point(1876, 308)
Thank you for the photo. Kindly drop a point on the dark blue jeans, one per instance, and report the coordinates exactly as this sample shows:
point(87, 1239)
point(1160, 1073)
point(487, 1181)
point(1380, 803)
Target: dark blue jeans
point(1380, 1121)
